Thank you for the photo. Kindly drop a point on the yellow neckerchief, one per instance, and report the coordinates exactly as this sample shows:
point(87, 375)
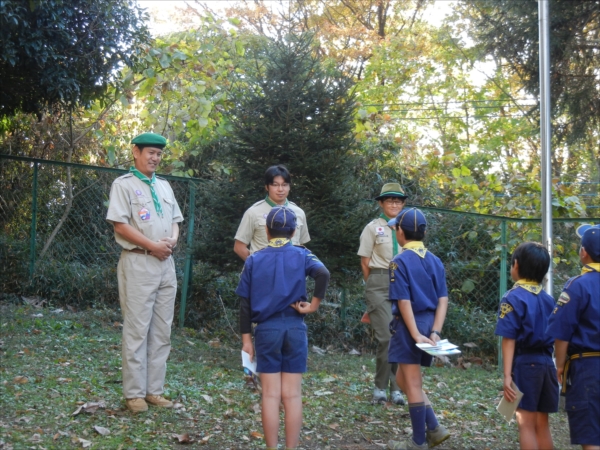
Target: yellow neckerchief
point(591, 267)
point(416, 246)
point(529, 285)
point(278, 242)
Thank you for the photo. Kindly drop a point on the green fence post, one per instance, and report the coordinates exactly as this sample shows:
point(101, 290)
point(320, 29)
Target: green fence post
point(33, 222)
point(188, 255)
point(503, 281)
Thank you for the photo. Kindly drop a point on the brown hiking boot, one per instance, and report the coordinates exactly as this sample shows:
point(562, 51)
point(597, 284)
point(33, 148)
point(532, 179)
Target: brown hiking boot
point(136, 404)
point(159, 400)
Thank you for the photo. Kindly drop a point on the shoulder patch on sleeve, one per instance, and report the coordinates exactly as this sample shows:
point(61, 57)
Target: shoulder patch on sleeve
point(505, 308)
point(563, 299)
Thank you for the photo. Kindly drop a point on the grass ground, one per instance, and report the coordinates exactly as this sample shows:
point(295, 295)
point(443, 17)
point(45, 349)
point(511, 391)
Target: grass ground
point(53, 363)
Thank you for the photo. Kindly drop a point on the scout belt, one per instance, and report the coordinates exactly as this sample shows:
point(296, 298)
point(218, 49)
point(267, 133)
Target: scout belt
point(568, 365)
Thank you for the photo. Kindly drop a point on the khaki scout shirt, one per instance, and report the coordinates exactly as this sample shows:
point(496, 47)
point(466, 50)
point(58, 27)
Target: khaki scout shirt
point(376, 242)
point(252, 228)
point(131, 202)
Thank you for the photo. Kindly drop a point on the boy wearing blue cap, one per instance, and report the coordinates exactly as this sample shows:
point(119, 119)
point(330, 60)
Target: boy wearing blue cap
point(419, 299)
point(272, 292)
point(575, 324)
point(526, 348)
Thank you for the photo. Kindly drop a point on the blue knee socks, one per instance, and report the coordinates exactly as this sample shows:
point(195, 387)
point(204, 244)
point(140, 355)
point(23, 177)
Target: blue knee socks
point(430, 418)
point(417, 418)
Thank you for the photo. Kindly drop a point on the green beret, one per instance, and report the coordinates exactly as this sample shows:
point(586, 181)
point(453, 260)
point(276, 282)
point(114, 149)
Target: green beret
point(150, 139)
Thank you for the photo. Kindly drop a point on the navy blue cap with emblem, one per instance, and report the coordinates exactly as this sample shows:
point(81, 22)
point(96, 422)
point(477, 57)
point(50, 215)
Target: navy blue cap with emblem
point(281, 218)
point(590, 240)
point(409, 220)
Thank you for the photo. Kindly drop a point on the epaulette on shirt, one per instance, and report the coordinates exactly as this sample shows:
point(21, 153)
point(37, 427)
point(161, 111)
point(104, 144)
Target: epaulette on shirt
point(123, 177)
point(258, 203)
point(510, 290)
point(161, 178)
point(570, 281)
point(299, 245)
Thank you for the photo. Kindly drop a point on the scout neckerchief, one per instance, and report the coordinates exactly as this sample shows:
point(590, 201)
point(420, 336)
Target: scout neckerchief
point(278, 242)
point(416, 246)
point(529, 285)
point(394, 240)
point(272, 203)
point(151, 183)
point(591, 267)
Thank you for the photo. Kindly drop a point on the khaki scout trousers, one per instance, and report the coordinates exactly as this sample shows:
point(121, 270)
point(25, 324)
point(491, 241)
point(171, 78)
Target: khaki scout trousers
point(147, 288)
point(380, 315)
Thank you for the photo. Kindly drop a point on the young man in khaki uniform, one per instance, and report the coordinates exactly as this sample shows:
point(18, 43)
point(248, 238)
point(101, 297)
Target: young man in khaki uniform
point(252, 228)
point(145, 216)
point(378, 246)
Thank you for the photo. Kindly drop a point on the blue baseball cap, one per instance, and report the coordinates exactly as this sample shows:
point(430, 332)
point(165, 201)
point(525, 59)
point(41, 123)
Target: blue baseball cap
point(590, 240)
point(409, 220)
point(281, 218)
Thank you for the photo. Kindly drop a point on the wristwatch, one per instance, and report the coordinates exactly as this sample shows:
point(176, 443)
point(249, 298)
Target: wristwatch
point(436, 332)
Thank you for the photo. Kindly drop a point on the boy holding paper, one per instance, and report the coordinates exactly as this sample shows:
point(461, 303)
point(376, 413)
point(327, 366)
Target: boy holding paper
point(419, 299)
point(272, 292)
point(526, 348)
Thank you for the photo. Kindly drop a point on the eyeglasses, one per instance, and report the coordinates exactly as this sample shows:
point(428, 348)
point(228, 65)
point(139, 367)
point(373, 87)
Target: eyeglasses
point(393, 202)
point(283, 185)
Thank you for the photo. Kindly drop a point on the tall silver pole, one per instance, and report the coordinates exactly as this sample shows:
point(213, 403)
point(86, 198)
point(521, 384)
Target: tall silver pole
point(544, 26)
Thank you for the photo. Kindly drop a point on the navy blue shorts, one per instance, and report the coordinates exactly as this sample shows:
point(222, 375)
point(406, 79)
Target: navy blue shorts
point(281, 345)
point(582, 401)
point(535, 376)
point(403, 348)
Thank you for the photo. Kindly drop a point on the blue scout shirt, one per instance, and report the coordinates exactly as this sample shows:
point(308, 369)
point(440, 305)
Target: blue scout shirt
point(576, 317)
point(275, 277)
point(523, 316)
point(419, 276)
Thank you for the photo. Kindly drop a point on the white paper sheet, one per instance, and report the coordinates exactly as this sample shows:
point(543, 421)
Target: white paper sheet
point(443, 348)
point(507, 409)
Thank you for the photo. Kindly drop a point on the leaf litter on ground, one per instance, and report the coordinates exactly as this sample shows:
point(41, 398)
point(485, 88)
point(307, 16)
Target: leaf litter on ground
point(219, 408)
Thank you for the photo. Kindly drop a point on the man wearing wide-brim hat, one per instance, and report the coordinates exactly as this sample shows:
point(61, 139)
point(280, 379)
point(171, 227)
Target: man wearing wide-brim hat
point(378, 246)
point(145, 216)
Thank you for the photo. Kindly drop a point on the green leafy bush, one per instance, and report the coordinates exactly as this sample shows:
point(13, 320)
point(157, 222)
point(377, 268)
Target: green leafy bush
point(466, 323)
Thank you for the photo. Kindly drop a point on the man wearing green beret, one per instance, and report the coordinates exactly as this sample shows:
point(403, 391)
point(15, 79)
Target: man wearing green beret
point(378, 247)
point(145, 216)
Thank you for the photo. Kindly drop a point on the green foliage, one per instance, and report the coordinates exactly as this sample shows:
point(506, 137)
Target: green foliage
point(509, 30)
point(74, 283)
point(14, 255)
point(178, 89)
point(291, 108)
point(469, 323)
point(58, 52)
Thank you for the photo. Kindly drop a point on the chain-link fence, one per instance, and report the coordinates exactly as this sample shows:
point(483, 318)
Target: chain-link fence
point(55, 240)
point(56, 243)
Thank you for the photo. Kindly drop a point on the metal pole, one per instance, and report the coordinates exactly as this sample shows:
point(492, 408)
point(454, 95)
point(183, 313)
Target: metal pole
point(545, 135)
point(188, 255)
point(33, 222)
point(503, 280)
